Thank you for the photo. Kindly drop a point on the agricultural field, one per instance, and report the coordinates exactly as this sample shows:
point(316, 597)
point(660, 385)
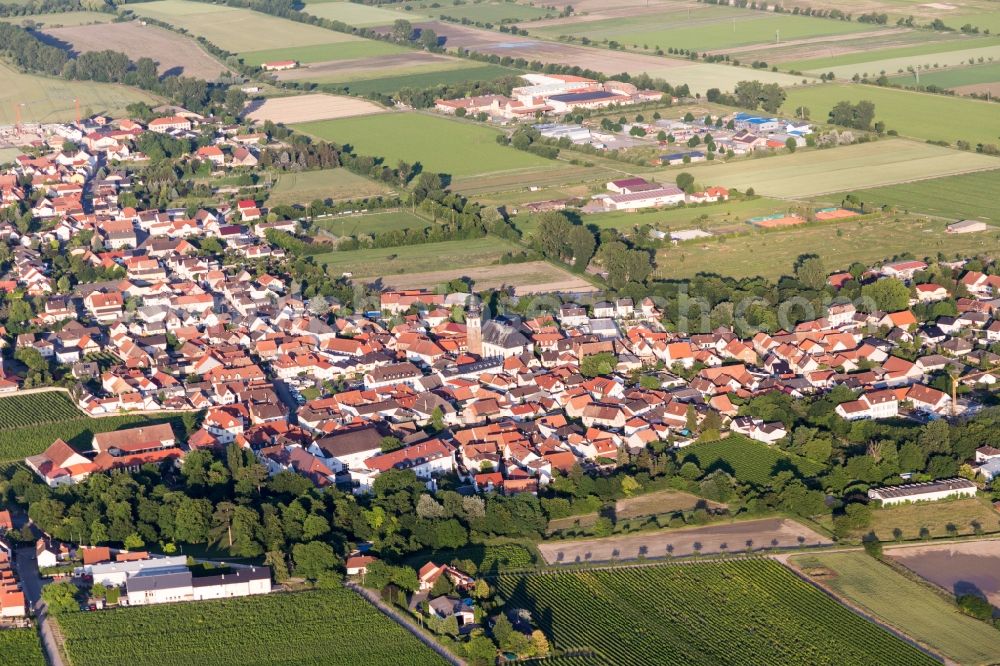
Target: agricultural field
point(395, 261)
point(58, 19)
point(955, 77)
point(33, 422)
point(309, 108)
point(173, 53)
point(21, 647)
point(717, 538)
point(913, 114)
point(896, 61)
point(448, 74)
point(336, 184)
point(49, 99)
point(748, 461)
point(489, 11)
point(439, 144)
point(970, 567)
point(7, 155)
point(706, 28)
point(924, 45)
point(810, 173)
point(335, 72)
point(954, 197)
point(903, 604)
point(699, 76)
point(532, 277)
point(240, 31)
point(318, 53)
point(737, 612)
point(772, 254)
point(360, 16)
point(966, 516)
point(314, 626)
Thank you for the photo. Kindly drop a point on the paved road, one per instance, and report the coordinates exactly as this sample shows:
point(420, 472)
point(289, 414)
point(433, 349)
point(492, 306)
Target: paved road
point(31, 583)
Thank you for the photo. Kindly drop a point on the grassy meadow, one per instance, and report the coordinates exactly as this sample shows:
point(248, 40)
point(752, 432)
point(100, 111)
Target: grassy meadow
point(368, 48)
point(361, 16)
point(809, 173)
point(904, 603)
point(372, 223)
point(917, 115)
point(424, 75)
point(440, 144)
point(336, 184)
point(972, 195)
point(418, 258)
point(953, 77)
point(772, 254)
point(50, 99)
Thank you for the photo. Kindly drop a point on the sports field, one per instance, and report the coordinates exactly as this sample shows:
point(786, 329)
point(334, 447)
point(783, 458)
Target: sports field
point(239, 30)
point(711, 28)
point(48, 99)
point(918, 115)
point(735, 612)
point(972, 195)
point(439, 144)
point(384, 262)
point(368, 48)
point(361, 16)
point(371, 223)
point(815, 172)
point(904, 604)
point(336, 184)
point(926, 50)
point(953, 77)
point(772, 254)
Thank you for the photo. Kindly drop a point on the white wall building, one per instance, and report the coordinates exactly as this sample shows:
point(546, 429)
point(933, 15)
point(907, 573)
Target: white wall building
point(931, 491)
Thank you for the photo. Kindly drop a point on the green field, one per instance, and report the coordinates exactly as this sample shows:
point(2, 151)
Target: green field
point(736, 612)
point(60, 19)
point(372, 223)
point(49, 99)
point(317, 627)
point(905, 604)
point(7, 155)
point(239, 30)
point(323, 52)
point(913, 114)
point(703, 29)
point(748, 461)
point(441, 145)
point(361, 16)
point(954, 77)
point(337, 184)
point(809, 173)
point(20, 647)
point(30, 423)
point(417, 77)
point(772, 254)
point(418, 258)
point(957, 197)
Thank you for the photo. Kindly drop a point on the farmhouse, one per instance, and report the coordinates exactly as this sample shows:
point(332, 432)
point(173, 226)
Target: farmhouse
point(662, 196)
point(931, 491)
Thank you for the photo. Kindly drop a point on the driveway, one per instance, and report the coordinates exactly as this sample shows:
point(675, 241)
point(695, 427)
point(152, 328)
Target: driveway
point(31, 583)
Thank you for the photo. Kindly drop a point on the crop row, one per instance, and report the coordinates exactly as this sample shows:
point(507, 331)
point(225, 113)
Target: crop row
point(21, 647)
point(26, 410)
point(317, 627)
point(738, 612)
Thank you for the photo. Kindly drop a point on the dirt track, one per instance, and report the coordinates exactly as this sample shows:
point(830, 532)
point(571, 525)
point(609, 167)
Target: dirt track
point(173, 53)
point(729, 537)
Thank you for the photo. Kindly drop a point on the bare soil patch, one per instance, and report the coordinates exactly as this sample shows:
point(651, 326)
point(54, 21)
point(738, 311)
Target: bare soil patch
point(533, 277)
point(664, 501)
point(173, 53)
point(306, 108)
point(960, 568)
point(374, 67)
point(733, 537)
point(979, 88)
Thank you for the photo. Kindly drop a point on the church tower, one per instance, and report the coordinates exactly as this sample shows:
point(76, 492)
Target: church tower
point(474, 329)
